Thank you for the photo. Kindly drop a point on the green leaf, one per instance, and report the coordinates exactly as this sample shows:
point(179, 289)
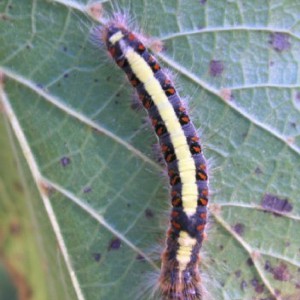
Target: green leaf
point(91, 155)
point(31, 265)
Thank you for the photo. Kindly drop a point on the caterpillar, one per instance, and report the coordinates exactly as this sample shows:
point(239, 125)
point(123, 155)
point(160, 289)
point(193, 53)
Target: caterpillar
point(180, 145)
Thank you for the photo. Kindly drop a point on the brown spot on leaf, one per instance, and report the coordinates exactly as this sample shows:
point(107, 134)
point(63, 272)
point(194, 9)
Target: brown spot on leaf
point(87, 189)
point(65, 161)
point(281, 273)
point(277, 293)
point(115, 244)
point(149, 213)
point(250, 262)
point(268, 266)
point(259, 288)
point(40, 86)
point(239, 228)
point(243, 285)
point(258, 171)
point(96, 256)
point(15, 227)
point(216, 68)
point(140, 257)
point(280, 41)
point(238, 273)
point(273, 203)
point(18, 186)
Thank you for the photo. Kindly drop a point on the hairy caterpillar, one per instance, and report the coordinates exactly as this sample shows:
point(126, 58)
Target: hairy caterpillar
point(179, 278)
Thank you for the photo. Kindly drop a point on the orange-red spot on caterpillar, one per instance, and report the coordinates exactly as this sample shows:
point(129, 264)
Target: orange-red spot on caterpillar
point(131, 36)
point(175, 180)
point(154, 122)
point(168, 153)
point(203, 215)
point(202, 167)
point(121, 63)
point(156, 67)
point(201, 227)
point(174, 177)
point(153, 64)
point(169, 157)
point(202, 176)
point(160, 131)
point(146, 101)
point(170, 91)
point(174, 214)
point(203, 201)
point(204, 192)
point(112, 51)
point(176, 202)
point(147, 104)
point(174, 193)
point(164, 148)
point(176, 225)
point(185, 119)
point(134, 82)
point(197, 148)
point(141, 47)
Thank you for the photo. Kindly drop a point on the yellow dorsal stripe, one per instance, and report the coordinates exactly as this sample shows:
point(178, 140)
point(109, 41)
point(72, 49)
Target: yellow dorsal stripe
point(186, 164)
point(184, 252)
point(116, 37)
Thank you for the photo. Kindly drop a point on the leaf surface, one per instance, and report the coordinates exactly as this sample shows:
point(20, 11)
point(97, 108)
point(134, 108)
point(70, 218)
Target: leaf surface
point(237, 64)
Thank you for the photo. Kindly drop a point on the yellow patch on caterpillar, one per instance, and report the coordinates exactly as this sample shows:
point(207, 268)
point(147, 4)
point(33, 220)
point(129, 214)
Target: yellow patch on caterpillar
point(116, 37)
point(184, 252)
point(186, 164)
